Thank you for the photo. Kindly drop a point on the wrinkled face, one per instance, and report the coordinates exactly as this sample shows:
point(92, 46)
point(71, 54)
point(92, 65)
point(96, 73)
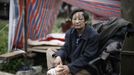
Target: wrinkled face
point(78, 20)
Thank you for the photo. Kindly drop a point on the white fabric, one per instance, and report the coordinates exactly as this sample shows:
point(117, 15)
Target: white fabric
point(12, 25)
point(51, 72)
point(54, 40)
point(51, 42)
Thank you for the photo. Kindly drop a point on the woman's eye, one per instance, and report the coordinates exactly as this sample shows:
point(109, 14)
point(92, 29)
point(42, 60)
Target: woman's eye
point(80, 18)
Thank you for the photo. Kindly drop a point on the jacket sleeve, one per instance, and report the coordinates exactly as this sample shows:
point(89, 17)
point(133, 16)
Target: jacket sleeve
point(89, 53)
point(64, 51)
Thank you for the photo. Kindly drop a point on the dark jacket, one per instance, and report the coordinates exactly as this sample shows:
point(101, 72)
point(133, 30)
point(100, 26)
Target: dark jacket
point(115, 29)
point(78, 57)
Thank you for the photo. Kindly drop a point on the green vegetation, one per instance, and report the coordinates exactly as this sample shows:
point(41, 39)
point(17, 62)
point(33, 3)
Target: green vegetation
point(12, 66)
point(3, 36)
point(16, 64)
point(57, 25)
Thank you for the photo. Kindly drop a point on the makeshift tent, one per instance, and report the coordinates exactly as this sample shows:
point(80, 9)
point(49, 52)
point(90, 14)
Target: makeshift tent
point(41, 15)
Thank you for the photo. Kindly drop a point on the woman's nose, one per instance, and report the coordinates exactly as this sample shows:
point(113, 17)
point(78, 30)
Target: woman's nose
point(77, 21)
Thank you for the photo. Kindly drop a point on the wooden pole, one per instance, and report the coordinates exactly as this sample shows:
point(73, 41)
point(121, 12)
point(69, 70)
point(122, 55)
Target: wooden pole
point(25, 26)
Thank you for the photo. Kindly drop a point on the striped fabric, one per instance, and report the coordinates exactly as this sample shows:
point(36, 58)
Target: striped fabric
point(19, 19)
point(106, 8)
point(41, 15)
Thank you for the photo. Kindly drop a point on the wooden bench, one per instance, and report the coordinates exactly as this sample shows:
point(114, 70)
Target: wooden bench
point(11, 55)
point(5, 73)
point(41, 49)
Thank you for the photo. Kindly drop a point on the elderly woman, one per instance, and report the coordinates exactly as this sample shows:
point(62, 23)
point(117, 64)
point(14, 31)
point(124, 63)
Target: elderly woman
point(81, 46)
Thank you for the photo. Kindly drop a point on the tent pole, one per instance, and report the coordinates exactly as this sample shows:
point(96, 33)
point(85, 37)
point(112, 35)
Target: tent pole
point(25, 26)
point(27, 63)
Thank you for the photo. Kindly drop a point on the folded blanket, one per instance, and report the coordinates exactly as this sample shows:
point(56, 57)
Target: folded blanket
point(54, 39)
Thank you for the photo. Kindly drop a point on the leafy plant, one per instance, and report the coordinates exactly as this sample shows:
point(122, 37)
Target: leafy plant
point(3, 36)
point(12, 66)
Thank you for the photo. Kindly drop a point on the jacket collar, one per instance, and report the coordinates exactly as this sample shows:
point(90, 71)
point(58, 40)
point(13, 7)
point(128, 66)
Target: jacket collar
point(85, 35)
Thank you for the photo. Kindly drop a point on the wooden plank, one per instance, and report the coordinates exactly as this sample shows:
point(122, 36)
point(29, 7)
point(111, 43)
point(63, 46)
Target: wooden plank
point(5, 73)
point(46, 47)
point(42, 49)
point(36, 50)
point(12, 54)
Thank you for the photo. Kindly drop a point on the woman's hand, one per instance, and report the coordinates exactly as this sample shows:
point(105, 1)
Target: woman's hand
point(62, 70)
point(59, 70)
point(57, 61)
point(66, 70)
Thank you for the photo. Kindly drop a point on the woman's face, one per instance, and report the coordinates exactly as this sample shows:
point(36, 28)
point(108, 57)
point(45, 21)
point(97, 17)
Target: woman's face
point(78, 20)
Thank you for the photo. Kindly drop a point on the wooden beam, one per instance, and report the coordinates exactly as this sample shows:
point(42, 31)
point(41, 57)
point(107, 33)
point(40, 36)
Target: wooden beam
point(42, 49)
point(5, 73)
point(11, 54)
